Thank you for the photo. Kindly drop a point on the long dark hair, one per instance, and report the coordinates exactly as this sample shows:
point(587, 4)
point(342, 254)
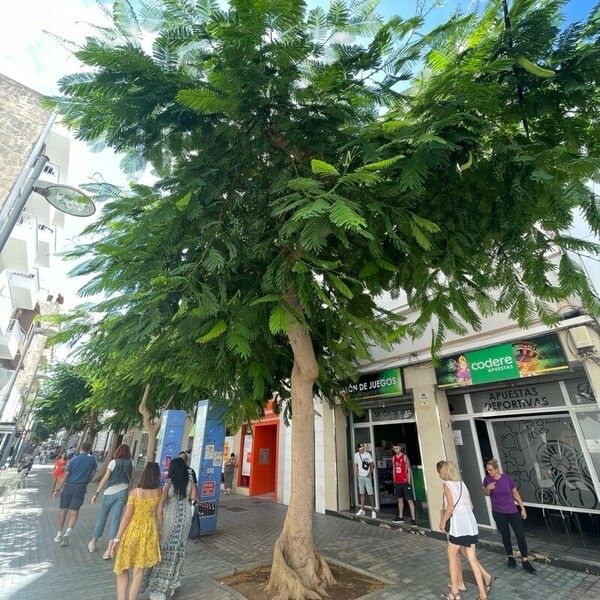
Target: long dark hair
point(179, 476)
point(150, 479)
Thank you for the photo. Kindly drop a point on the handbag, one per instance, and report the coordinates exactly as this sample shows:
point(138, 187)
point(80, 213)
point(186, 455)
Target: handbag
point(194, 533)
point(447, 526)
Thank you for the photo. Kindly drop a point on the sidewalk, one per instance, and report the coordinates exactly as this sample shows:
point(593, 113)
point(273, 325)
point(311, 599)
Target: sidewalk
point(32, 566)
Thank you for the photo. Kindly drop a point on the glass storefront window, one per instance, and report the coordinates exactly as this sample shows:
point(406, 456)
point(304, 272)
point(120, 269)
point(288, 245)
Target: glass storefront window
point(471, 468)
point(590, 426)
point(544, 457)
point(364, 418)
point(457, 405)
point(580, 391)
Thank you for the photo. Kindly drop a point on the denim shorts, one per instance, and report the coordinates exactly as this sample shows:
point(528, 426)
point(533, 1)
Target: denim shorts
point(72, 496)
point(365, 485)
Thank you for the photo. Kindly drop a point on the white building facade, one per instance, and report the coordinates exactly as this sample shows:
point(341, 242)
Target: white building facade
point(29, 281)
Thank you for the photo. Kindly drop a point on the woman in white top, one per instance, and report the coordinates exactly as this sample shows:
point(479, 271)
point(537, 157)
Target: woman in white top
point(115, 483)
point(462, 537)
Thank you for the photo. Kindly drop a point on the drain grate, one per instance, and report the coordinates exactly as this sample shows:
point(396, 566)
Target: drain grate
point(234, 508)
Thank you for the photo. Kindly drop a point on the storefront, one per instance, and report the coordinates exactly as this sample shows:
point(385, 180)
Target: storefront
point(525, 405)
point(259, 442)
point(388, 416)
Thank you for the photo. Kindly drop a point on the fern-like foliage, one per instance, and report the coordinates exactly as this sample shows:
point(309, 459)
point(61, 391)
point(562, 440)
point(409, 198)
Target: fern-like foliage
point(328, 156)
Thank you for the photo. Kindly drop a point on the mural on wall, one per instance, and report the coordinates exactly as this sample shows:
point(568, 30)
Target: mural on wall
point(544, 458)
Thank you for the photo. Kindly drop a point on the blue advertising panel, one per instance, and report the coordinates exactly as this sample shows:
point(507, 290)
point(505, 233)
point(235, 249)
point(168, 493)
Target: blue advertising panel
point(207, 460)
point(169, 439)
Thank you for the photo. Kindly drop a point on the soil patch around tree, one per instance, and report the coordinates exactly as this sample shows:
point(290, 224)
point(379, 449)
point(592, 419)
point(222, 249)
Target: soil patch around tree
point(351, 585)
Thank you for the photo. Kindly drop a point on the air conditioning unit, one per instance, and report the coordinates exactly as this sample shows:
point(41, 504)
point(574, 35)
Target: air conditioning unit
point(582, 339)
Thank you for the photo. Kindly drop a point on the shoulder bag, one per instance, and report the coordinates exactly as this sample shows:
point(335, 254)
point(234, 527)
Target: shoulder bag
point(447, 526)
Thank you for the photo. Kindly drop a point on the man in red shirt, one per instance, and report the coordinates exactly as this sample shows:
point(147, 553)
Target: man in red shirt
point(402, 482)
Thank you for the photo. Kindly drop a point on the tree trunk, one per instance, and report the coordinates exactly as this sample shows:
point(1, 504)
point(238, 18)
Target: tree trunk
point(298, 571)
point(151, 426)
point(82, 438)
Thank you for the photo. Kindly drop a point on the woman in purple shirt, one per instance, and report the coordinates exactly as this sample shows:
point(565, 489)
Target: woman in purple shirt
point(503, 494)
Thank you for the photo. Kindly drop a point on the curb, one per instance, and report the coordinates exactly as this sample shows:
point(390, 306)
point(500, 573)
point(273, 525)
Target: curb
point(589, 567)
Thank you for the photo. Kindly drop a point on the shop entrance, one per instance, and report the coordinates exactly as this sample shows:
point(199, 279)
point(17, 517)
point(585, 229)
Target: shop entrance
point(263, 477)
point(383, 437)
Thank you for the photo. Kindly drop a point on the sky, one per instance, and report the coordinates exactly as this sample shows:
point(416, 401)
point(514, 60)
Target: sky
point(31, 56)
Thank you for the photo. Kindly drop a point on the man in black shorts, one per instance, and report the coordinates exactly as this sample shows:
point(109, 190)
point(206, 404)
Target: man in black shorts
point(403, 483)
point(78, 473)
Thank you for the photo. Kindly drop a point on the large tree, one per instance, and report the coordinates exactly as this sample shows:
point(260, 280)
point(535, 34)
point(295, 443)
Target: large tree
point(303, 169)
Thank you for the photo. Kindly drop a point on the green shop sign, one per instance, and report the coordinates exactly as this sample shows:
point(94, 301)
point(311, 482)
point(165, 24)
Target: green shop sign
point(378, 385)
point(514, 360)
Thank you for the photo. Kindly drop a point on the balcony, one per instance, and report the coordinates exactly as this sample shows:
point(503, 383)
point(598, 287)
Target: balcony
point(46, 247)
point(10, 340)
point(6, 304)
point(39, 207)
point(21, 249)
point(25, 289)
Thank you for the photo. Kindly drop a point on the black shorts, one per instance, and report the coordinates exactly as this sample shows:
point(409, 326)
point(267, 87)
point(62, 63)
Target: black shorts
point(463, 540)
point(403, 490)
point(72, 496)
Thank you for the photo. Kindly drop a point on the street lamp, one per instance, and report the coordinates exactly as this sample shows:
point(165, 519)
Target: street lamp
point(65, 198)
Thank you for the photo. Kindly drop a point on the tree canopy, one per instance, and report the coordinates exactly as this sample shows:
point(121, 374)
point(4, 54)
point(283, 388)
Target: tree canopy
point(309, 160)
point(61, 402)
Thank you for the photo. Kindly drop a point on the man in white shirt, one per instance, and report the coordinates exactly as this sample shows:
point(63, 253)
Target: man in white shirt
point(363, 468)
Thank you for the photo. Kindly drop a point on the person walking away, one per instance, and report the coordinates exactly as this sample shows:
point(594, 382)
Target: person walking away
point(463, 531)
point(503, 493)
point(228, 472)
point(178, 493)
point(116, 483)
point(59, 469)
point(402, 474)
point(136, 545)
point(363, 467)
point(185, 456)
point(79, 471)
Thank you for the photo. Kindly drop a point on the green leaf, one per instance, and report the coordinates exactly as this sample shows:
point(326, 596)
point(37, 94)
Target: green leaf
point(320, 167)
point(183, 203)
point(304, 184)
point(278, 322)
point(425, 224)
point(343, 215)
point(420, 237)
point(380, 165)
point(339, 285)
point(214, 260)
point(217, 330)
point(311, 209)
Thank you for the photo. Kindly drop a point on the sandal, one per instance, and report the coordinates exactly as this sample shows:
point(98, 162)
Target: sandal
point(451, 596)
point(460, 589)
point(488, 586)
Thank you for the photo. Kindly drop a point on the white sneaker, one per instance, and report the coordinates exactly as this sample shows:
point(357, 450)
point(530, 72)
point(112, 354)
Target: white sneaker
point(360, 513)
point(58, 537)
point(373, 514)
point(92, 546)
point(65, 540)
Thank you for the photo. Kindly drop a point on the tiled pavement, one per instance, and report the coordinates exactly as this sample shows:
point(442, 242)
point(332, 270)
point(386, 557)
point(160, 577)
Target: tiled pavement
point(32, 566)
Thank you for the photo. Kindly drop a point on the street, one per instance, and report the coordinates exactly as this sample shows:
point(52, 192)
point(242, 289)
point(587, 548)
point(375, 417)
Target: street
point(32, 566)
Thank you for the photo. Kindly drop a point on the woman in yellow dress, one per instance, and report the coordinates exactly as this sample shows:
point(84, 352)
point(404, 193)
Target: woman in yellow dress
point(137, 545)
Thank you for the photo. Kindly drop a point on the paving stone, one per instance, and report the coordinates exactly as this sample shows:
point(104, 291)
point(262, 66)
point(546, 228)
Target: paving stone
point(32, 566)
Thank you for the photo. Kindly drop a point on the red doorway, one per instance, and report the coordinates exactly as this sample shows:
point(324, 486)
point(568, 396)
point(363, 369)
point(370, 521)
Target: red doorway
point(263, 479)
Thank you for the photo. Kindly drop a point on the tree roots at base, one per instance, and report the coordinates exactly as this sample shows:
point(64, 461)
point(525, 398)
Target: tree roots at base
point(305, 577)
